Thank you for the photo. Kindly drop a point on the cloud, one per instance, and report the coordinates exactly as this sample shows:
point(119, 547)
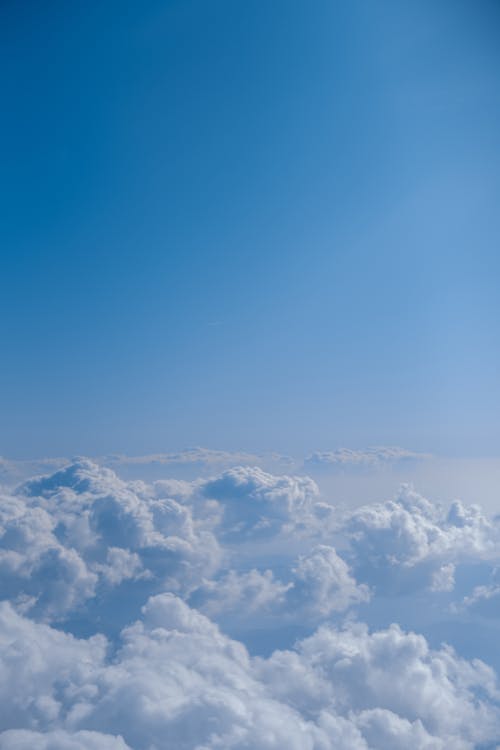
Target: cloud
point(242, 593)
point(36, 569)
point(257, 503)
point(443, 579)
point(177, 681)
point(484, 600)
point(22, 739)
point(83, 537)
point(368, 459)
point(187, 461)
point(324, 584)
point(196, 456)
point(409, 541)
point(13, 471)
point(222, 613)
point(390, 683)
point(319, 584)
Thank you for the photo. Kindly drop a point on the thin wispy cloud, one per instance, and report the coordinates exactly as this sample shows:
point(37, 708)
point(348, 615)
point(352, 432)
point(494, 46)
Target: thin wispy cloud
point(369, 458)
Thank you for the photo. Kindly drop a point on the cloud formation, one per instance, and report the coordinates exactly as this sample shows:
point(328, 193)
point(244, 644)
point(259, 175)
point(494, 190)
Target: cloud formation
point(257, 503)
point(368, 459)
point(228, 613)
point(411, 542)
point(177, 681)
point(82, 535)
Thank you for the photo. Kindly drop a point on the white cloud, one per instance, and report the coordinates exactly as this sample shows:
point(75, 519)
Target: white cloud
point(80, 533)
point(242, 593)
point(318, 585)
point(443, 579)
point(323, 584)
point(368, 459)
point(411, 542)
point(91, 553)
point(200, 456)
point(22, 739)
point(484, 599)
point(257, 503)
point(177, 681)
point(355, 672)
point(34, 565)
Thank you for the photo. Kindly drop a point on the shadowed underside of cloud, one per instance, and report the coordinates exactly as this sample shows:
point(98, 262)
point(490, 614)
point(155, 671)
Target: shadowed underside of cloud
point(108, 587)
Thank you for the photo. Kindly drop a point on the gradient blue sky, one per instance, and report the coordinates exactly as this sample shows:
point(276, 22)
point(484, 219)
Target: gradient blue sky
point(253, 225)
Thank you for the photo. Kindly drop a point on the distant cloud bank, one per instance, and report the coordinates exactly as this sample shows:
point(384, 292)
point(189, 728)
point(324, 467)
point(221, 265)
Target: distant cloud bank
point(370, 458)
point(208, 459)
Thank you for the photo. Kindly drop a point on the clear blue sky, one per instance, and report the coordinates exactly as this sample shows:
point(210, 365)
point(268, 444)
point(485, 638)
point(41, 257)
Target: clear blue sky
point(257, 225)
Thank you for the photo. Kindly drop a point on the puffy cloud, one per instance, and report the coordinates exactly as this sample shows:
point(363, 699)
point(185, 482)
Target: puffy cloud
point(83, 537)
point(43, 671)
point(242, 594)
point(392, 685)
point(177, 681)
point(384, 729)
point(134, 568)
point(82, 544)
point(260, 504)
point(121, 565)
point(36, 569)
point(319, 584)
point(411, 542)
point(22, 739)
point(323, 584)
point(14, 471)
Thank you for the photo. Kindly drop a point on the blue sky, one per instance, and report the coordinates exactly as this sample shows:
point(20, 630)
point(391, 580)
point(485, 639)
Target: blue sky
point(249, 327)
point(261, 225)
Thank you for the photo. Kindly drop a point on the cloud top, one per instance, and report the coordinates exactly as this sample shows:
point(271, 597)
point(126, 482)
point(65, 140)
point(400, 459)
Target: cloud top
point(242, 611)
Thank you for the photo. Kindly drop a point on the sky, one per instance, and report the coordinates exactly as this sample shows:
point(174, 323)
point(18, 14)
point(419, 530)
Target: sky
point(249, 393)
point(249, 226)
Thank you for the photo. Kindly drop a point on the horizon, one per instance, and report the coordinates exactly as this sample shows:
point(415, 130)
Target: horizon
point(249, 393)
point(270, 228)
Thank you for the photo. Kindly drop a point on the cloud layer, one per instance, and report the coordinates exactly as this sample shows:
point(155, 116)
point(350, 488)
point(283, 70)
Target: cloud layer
point(368, 459)
point(239, 611)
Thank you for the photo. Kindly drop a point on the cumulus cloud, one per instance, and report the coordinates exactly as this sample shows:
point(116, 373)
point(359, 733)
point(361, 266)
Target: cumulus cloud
point(392, 685)
point(14, 471)
point(22, 739)
point(177, 681)
point(260, 504)
point(409, 541)
point(81, 533)
point(242, 594)
point(188, 460)
point(319, 584)
point(323, 584)
point(36, 569)
point(128, 604)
